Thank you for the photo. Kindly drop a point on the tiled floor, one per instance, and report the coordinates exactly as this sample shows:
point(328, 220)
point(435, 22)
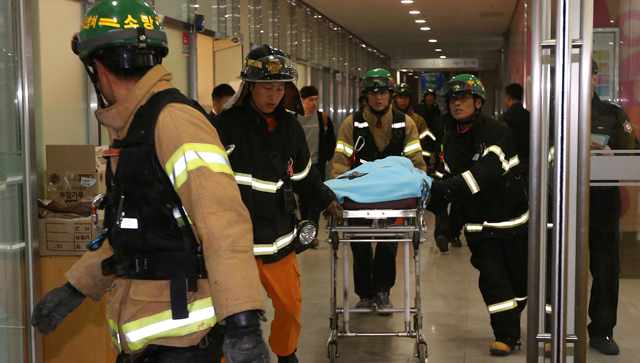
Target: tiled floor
point(456, 320)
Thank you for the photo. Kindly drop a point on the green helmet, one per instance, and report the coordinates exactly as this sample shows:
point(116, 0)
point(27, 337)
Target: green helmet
point(377, 80)
point(464, 84)
point(130, 25)
point(403, 89)
point(268, 64)
point(429, 92)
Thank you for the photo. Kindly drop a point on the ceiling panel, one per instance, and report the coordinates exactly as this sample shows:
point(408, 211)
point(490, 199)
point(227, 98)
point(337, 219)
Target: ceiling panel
point(463, 28)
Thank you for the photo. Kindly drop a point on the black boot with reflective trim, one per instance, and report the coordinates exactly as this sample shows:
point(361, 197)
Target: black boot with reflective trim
point(604, 345)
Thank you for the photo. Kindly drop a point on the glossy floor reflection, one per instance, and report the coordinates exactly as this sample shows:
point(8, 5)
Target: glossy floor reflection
point(456, 320)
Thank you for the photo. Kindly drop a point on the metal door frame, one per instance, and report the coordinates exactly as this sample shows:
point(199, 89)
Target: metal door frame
point(573, 41)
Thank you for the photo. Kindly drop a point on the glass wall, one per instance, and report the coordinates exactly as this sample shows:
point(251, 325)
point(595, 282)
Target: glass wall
point(13, 295)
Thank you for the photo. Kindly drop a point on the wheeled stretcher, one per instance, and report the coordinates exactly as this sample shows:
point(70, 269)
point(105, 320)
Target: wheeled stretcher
point(409, 234)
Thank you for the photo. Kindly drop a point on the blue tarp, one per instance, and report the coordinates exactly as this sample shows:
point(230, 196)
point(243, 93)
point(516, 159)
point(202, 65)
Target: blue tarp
point(384, 180)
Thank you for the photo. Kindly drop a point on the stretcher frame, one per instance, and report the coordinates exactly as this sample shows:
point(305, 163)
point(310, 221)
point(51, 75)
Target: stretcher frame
point(409, 234)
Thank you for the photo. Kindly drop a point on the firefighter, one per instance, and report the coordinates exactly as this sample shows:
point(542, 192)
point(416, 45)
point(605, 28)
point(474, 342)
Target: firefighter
point(375, 132)
point(482, 177)
point(610, 130)
point(168, 163)
point(271, 161)
point(428, 108)
point(402, 102)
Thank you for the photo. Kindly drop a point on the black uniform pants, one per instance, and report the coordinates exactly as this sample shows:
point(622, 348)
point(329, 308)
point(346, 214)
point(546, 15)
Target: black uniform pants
point(503, 278)
point(448, 222)
point(208, 351)
point(373, 273)
point(604, 263)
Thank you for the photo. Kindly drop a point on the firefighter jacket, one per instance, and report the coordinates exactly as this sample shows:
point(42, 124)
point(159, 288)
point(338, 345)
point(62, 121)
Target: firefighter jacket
point(139, 311)
point(427, 138)
point(481, 171)
point(428, 113)
point(610, 120)
point(382, 134)
point(261, 185)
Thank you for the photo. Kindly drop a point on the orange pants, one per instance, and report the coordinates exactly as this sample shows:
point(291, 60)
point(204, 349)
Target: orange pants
point(281, 280)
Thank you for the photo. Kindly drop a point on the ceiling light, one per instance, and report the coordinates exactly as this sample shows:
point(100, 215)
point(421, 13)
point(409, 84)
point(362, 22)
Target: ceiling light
point(433, 40)
point(414, 12)
point(443, 56)
point(403, 70)
point(407, 1)
point(420, 21)
point(425, 28)
point(438, 50)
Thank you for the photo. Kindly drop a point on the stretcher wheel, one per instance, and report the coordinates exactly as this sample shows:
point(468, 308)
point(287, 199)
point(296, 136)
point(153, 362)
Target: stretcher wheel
point(335, 240)
point(333, 352)
point(422, 352)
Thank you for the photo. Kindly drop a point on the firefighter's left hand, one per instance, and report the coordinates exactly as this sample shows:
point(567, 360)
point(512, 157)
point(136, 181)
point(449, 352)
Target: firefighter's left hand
point(334, 209)
point(438, 200)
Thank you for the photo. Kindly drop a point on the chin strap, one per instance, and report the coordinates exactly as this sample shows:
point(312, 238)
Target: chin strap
point(93, 75)
point(265, 115)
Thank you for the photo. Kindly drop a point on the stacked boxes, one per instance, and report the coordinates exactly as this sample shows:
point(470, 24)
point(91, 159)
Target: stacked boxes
point(73, 172)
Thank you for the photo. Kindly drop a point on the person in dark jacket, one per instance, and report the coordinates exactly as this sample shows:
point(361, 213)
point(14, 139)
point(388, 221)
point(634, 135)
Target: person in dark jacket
point(271, 161)
point(610, 130)
point(519, 120)
point(318, 129)
point(428, 108)
point(482, 176)
point(220, 95)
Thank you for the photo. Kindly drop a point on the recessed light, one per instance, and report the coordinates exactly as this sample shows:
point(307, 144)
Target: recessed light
point(420, 21)
point(443, 56)
point(438, 50)
point(403, 70)
point(407, 1)
point(425, 28)
point(433, 40)
point(414, 12)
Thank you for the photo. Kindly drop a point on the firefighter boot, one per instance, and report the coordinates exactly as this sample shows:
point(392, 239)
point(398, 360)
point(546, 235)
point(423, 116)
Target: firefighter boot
point(291, 358)
point(501, 348)
point(442, 243)
point(383, 302)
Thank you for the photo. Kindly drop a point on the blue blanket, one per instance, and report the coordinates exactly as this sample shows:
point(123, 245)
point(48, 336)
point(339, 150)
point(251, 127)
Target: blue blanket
point(384, 180)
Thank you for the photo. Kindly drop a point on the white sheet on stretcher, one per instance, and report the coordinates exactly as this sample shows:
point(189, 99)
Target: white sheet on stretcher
point(384, 180)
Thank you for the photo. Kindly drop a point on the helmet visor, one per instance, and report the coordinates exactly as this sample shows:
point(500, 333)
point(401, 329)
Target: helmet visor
point(377, 83)
point(455, 87)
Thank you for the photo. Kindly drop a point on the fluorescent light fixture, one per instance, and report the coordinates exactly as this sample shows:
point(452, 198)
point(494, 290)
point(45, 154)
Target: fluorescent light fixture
point(420, 21)
point(438, 50)
point(403, 70)
point(425, 28)
point(443, 56)
point(414, 12)
point(433, 40)
point(407, 1)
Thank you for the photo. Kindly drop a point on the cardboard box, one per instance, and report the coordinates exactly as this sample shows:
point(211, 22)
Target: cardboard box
point(70, 237)
point(75, 171)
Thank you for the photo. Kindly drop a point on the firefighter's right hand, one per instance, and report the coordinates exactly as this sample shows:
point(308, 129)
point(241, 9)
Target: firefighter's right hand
point(55, 306)
point(243, 341)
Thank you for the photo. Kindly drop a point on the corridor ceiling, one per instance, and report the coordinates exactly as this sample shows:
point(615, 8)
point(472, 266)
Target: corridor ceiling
point(463, 28)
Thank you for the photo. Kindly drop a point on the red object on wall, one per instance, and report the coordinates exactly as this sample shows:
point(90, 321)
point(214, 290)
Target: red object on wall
point(185, 43)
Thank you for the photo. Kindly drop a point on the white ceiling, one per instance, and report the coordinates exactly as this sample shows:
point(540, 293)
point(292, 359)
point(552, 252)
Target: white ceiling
point(463, 28)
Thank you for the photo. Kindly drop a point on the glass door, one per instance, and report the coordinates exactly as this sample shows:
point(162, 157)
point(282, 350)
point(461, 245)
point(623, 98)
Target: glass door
point(15, 187)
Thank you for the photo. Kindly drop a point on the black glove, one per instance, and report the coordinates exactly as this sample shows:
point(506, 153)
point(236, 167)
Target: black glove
point(438, 200)
point(55, 306)
point(243, 341)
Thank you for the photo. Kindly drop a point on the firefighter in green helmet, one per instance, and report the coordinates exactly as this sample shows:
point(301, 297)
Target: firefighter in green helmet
point(375, 132)
point(402, 102)
point(177, 257)
point(481, 173)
